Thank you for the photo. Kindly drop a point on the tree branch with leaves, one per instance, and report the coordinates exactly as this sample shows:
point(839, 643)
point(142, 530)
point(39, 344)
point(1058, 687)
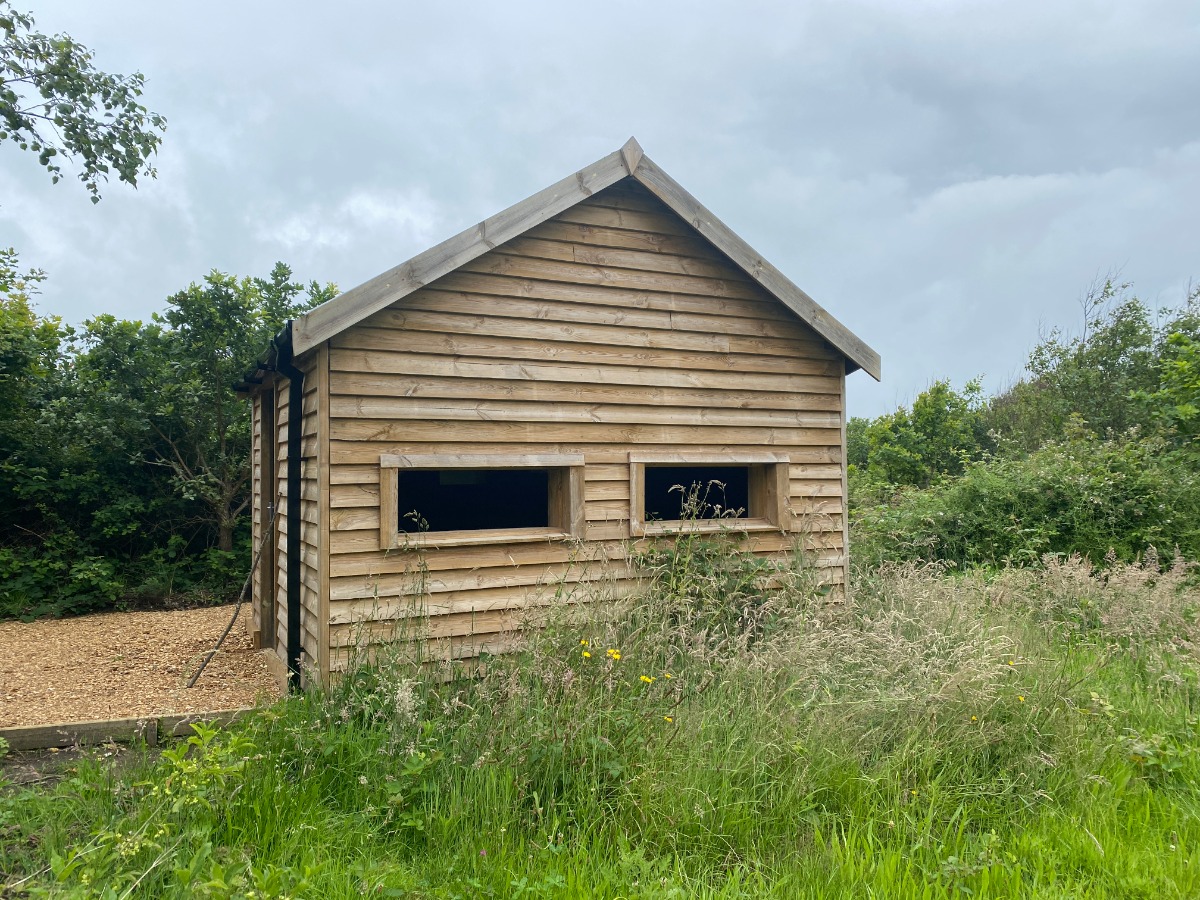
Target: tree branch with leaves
point(54, 102)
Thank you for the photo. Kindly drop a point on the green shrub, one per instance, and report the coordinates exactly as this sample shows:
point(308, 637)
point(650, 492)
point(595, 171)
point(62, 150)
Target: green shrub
point(1081, 496)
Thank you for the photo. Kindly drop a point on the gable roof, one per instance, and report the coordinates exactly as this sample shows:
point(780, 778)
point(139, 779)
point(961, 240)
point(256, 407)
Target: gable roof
point(350, 308)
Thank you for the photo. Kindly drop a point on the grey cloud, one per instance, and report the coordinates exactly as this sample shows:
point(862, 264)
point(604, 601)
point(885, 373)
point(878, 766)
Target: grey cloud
point(944, 177)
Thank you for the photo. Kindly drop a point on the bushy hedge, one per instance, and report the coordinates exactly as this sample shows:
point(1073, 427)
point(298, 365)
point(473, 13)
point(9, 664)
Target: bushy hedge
point(1084, 495)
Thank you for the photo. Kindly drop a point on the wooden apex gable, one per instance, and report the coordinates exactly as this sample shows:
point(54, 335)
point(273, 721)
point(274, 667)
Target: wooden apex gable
point(350, 308)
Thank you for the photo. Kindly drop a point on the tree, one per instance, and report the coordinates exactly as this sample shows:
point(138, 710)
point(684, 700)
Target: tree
point(53, 100)
point(213, 333)
point(1093, 376)
point(942, 432)
point(1176, 403)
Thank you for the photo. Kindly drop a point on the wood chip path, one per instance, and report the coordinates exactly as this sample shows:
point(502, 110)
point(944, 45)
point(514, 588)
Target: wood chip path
point(124, 665)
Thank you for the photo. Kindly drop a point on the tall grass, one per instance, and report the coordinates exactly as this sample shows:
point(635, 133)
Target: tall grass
point(1028, 734)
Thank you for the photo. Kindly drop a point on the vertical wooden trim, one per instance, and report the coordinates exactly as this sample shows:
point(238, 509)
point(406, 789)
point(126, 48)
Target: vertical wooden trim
point(770, 488)
point(257, 507)
point(779, 493)
point(389, 506)
point(279, 578)
point(637, 497)
point(576, 513)
point(845, 500)
point(323, 517)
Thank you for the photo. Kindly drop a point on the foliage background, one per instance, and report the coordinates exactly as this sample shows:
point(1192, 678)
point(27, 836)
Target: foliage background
point(125, 453)
point(1093, 452)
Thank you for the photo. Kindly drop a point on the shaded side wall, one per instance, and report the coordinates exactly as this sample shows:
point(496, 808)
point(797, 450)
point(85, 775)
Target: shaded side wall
point(270, 579)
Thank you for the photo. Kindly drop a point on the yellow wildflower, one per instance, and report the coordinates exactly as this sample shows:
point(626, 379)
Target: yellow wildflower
point(1020, 698)
point(613, 654)
point(668, 719)
point(974, 718)
point(648, 679)
point(668, 676)
point(582, 642)
point(586, 655)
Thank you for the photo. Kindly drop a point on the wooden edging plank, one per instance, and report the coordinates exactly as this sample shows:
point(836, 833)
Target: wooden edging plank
point(104, 731)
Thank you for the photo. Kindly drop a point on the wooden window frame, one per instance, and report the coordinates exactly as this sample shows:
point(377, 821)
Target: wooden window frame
point(770, 490)
point(566, 499)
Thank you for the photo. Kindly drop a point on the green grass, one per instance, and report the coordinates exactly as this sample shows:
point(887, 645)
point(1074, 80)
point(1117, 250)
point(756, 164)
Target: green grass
point(1028, 734)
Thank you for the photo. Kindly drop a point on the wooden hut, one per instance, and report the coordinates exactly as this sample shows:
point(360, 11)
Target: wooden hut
point(468, 426)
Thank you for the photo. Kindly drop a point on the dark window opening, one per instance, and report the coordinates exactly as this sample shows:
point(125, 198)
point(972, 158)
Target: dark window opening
point(473, 499)
point(708, 492)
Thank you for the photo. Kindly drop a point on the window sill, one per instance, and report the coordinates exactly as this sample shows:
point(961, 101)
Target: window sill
point(432, 540)
point(713, 526)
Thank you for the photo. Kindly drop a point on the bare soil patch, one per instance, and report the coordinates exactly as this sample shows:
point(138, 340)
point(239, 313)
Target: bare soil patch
point(123, 665)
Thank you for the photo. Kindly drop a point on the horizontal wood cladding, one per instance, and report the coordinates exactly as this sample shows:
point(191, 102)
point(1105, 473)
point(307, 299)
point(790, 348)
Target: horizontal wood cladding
point(539, 326)
point(611, 327)
point(632, 300)
point(364, 476)
point(367, 452)
point(426, 362)
point(467, 303)
point(369, 562)
point(535, 412)
point(359, 385)
point(557, 347)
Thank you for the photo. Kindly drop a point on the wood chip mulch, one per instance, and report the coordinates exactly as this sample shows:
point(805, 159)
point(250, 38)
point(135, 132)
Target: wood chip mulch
point(125, 665)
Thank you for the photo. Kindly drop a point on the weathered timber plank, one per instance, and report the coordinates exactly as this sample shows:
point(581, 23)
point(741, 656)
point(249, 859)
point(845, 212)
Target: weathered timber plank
point(607, 490)
point(628, 219)
point(800, 472)
point(665, 263)
point(371, 384)
point(764, 308)
point(471, 558)
point(391, 408)
point(499, 263)
point(617, 239)
point(361, 453)
point(810, 376)
point(346, 547)
point(356, 494)
point(447, 650)
point(377, 609)
point(629, 194)
point(801, 488)
point(511, 348)
point(592, 557)
point(607, 472)
point(463, 303)
point(356, 475)
point(385, 585)
point(70, 734)
point(545, 329)
point(498, 433)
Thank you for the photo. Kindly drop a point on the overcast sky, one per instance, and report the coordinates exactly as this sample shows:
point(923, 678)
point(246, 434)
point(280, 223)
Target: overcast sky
point(946, 178)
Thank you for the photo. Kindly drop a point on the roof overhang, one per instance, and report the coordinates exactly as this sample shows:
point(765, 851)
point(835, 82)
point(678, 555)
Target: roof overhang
point(340, 313)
